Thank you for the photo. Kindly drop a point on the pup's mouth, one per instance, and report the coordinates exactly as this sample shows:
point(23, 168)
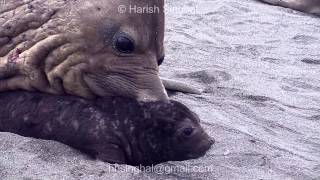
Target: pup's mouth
point(197, 154)
point(202, 150)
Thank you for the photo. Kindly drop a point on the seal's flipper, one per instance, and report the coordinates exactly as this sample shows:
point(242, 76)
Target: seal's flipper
point(309, 6)
point(179, 86)
point(275, 2)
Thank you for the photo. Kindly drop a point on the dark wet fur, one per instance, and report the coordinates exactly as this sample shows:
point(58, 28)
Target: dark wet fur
point(116, 130)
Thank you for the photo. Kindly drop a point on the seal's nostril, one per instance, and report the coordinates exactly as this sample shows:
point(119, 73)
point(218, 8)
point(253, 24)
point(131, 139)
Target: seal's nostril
point(160, 61)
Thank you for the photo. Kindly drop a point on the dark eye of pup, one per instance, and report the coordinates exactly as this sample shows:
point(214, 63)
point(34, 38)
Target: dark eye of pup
point(188, 131)
point(123, 44)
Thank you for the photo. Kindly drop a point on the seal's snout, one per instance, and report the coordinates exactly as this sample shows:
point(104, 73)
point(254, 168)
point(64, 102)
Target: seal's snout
point(151, 95)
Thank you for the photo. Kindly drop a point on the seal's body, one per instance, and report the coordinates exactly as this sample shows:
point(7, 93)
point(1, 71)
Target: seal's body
point(116, 130)
point(309, 6)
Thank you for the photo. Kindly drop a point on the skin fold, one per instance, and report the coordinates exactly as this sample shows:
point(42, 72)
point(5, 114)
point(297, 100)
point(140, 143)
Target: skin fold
point(83, 48)
point(309, 6)
point(115, 130)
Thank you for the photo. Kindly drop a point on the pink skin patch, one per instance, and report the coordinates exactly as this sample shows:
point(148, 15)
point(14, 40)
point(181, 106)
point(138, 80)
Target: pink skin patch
point(13, 58)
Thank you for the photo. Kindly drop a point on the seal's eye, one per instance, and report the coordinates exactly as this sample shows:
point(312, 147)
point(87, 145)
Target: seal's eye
point(188, 131)
point(123, 44)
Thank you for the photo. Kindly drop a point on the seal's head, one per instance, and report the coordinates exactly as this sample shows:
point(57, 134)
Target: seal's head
point(122, 47)
point(85, 48)
point(170, 132)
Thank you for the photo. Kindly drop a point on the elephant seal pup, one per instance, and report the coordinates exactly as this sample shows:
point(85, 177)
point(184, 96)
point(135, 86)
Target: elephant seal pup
point(309, 6)
point(83, 48)
point(115, 130)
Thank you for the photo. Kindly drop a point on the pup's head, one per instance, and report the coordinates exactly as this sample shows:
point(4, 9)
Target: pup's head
point(171, 132)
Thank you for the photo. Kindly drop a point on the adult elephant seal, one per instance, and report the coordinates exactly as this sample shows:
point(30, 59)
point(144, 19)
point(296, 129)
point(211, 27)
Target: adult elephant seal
point(309, 6)
point(115, 130)
point(83, 48)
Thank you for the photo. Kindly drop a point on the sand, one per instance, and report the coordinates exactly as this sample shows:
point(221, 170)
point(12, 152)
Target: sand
point(259, 69)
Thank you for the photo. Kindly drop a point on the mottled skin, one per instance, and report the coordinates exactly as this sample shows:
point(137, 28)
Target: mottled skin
point(84, 48)
point(309, 6)
point(115, 130)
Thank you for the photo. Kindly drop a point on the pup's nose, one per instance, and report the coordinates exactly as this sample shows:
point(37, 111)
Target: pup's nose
point(212, 141)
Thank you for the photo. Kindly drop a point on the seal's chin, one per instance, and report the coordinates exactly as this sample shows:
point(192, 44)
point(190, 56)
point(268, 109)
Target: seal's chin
point(109, 85)
point(149, 96)
point(116, 84)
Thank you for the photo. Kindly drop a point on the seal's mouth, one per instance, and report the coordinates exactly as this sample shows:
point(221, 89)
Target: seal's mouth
point(142, 86)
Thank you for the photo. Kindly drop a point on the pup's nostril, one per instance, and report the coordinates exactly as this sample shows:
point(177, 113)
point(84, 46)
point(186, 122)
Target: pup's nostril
point(212, 141)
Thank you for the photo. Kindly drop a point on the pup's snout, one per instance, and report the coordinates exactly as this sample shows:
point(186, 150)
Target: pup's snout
point(212, 141)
